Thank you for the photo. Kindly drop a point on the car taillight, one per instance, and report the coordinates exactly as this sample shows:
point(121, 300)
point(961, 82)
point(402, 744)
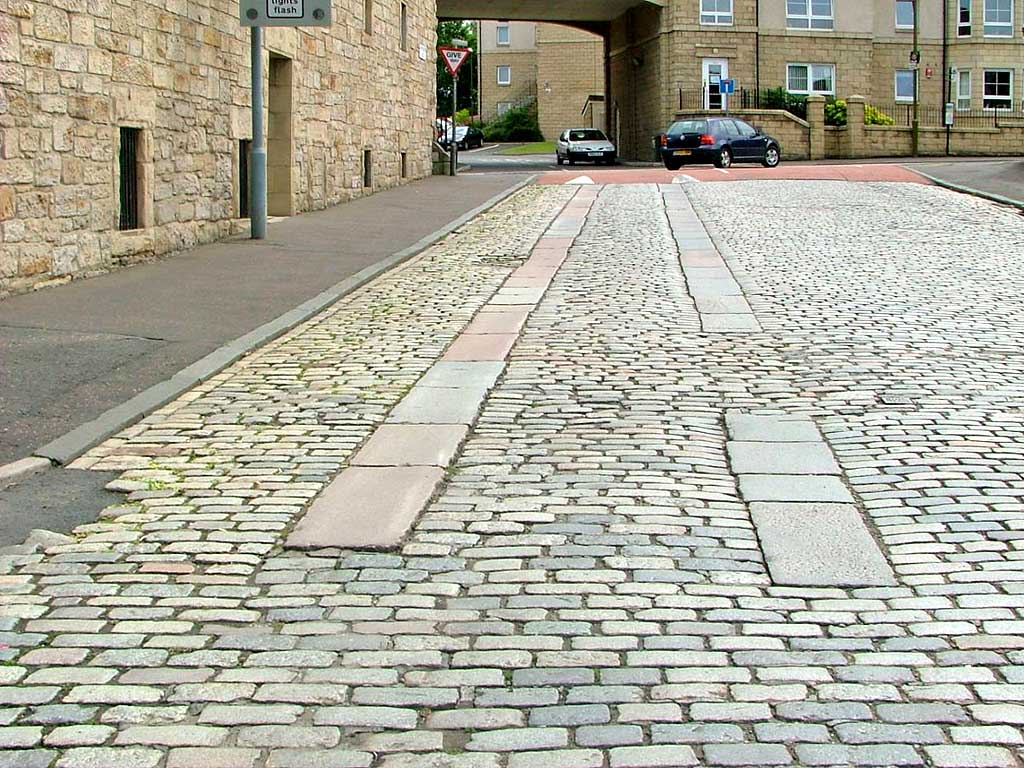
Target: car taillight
point(706, 140)
point(664, 141)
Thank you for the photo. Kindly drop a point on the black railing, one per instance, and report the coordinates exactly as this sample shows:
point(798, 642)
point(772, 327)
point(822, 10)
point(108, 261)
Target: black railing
point(929, 116)
point(898, 114)
point(698, 99)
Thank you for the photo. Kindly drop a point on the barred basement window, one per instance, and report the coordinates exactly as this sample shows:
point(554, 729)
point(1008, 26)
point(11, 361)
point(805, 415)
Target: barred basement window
point(405, 165)
point(367, 168)
point(128, 158)
point(244, 193)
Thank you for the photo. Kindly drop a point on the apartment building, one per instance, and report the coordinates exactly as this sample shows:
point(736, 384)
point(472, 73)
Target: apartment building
point(559, 67)
point(843, 47)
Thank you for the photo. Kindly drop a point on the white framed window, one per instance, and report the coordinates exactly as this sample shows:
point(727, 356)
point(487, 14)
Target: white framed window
point(503, 107)
point(716, 12)
point(998, 89)
point(504, 74)
point(809, 14)
point(904, 85)
point(998, 18)
point(963, 89)
point(504, 34)
point(904, 14)
point(963, 19)
point(811, 78)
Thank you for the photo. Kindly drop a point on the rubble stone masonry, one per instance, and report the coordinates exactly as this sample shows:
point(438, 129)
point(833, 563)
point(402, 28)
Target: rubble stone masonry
point(74, 72)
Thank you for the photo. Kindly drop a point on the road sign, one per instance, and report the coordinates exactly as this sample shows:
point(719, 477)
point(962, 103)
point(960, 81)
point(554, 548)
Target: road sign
point(285, 13)
point(454, 57)
point(728, 87)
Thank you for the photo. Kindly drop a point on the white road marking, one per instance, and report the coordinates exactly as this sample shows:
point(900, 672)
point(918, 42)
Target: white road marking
point(685, 177)
point(722, 170)
point(581, 180)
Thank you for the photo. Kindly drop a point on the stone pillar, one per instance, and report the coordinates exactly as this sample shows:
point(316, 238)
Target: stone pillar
point(856, 140)
point(816, 129)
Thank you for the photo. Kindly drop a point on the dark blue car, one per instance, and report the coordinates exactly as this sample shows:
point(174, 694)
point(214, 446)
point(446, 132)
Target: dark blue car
point(719, 140)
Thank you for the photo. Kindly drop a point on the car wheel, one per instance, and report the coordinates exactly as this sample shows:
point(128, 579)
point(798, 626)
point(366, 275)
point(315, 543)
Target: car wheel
point(672, 164)
point(724, 159)
point(571, 161)
point(772, 156)
point(559, 159)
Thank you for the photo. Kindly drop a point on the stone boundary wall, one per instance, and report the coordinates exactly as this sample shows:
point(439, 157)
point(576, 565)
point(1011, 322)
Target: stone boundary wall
point(73, 74)
point(812, 139)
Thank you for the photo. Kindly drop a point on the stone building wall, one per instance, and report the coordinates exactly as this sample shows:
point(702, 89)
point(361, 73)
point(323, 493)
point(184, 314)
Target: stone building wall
point(73, 73)
point(570, 68)
point(522, 88)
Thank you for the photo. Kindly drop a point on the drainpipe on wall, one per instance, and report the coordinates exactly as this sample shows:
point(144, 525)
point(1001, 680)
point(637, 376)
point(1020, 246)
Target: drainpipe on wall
point(947, 89)
point(757, 51)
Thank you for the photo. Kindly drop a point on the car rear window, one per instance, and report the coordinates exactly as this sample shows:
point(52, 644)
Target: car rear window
point(688, 126)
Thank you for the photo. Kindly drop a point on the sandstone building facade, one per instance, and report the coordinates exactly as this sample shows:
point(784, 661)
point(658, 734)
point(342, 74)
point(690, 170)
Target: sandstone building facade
point(124, 124)
point(972, 53)
point(559, 67)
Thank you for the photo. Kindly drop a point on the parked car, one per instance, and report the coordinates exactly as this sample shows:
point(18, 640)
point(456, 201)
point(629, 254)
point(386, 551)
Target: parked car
point(719, 140)
point(467, 136)
point(588, 144)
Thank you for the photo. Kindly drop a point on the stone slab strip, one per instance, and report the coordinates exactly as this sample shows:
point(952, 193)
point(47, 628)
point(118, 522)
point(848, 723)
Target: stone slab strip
point(810, 529)
point(73, 444)
point(710, 280)
point(375, 501)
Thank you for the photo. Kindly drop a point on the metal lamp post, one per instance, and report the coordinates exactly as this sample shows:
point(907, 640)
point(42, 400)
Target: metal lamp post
point(916, 60)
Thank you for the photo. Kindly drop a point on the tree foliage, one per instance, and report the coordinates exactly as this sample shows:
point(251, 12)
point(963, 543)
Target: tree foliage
point(467, 96)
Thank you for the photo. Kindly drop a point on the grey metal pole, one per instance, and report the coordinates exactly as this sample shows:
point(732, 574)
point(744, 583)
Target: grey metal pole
point(453, 148)
point(258, 176)
point(916, 123)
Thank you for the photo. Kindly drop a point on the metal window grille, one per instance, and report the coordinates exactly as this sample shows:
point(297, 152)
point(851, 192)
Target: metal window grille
point(367, 168)
point(129, 181)
point(244, 191)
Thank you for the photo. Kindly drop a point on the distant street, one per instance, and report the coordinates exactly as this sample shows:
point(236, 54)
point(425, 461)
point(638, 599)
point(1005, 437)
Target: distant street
point(1000, 176)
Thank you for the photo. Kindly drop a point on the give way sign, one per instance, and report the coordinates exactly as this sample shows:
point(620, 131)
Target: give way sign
point(454, 58)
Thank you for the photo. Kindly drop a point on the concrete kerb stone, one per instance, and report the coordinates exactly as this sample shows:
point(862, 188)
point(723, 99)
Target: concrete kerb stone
point(992, 196)
point(73, 444)
point(16, 470)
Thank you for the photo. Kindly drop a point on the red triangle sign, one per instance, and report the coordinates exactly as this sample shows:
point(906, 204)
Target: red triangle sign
point(454, 57)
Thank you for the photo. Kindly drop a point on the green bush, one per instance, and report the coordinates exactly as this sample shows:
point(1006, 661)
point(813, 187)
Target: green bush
point(835, 112)
point(780, 98)
point(875, 116)
point(518, 124)
point(463, 117)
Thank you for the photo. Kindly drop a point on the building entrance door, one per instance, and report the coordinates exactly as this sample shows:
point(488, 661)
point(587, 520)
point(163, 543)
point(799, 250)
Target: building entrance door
point(715, 71)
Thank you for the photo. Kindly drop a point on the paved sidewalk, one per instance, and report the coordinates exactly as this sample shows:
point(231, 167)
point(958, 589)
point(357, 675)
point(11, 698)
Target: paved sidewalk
point(71, 352)
point(605, 577)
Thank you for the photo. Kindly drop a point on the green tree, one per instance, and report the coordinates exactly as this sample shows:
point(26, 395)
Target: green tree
point(446, 32)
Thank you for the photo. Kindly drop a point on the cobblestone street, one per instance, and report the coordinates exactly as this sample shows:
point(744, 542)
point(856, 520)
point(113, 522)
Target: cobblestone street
point(623, 567)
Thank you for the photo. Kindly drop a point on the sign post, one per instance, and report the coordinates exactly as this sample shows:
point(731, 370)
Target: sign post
point(454, 58)
point(727, 88)
point(257, 14)
point(915, 65)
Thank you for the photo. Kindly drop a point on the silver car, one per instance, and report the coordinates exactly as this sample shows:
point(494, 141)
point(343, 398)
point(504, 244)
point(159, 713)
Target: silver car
point(587, 144)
